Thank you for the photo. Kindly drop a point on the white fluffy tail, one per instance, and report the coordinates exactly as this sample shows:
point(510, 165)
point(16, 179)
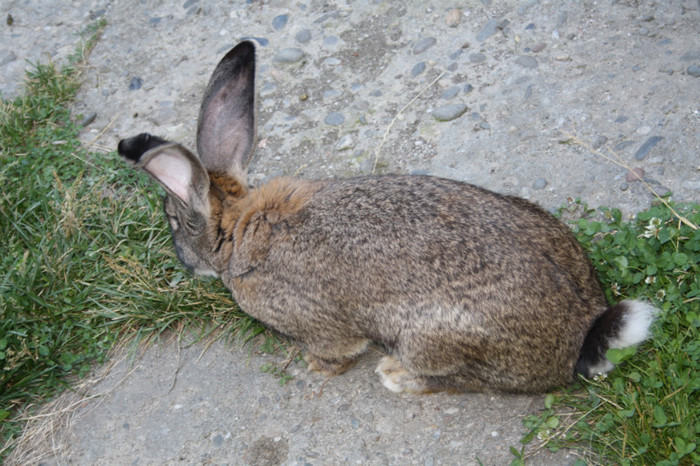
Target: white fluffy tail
point(625, 324)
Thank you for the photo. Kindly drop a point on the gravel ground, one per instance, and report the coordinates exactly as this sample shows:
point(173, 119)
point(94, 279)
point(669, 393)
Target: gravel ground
point(481, 91)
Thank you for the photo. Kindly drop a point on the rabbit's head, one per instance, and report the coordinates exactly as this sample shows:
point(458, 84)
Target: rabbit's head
point(200, 190)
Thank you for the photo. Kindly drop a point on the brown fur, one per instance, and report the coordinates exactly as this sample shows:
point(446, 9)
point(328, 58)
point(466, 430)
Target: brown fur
point(465, 288)
point(479, 298)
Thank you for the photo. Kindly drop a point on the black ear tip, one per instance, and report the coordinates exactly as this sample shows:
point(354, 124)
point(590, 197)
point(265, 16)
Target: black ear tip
point(134, 147)
point(244, 51)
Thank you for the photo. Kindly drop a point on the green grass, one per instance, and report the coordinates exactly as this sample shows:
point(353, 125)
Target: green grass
point(85, 257)
point(647, 410)
point(86, 261)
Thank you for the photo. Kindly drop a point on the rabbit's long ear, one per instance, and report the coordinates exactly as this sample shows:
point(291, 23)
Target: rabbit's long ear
point(226, 127)
point(175, 168)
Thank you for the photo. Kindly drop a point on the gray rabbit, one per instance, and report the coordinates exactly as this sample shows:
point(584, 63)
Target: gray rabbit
point(466, 289)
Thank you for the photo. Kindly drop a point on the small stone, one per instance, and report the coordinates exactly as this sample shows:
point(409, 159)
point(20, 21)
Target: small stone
point(331, 62)
point(477, 57)
point(267, 89)
point(331, 94)
point(694, 71)
point(135, 83)
point(468, 88)
point(345, 143)
point(693, 55)
point(418, 68)
point(280, 21)
point(540, 183)
point(636, 174)
point(288, 55)
point(646, 147)
point(218, 440)
point(361, 105)
point(621, 119)
point(450, 92)
point(303, 36)
point(643, 130)
point(526, 61)
point(330, 41)
point(8, 57)
point(376, 93)
point(334, 119)
point(423, 44)
point(620, 146)
point(454, 16)
point(449, 112)
point(88, 119)
point(539, 47)
point(488, 30)
point(624, 187)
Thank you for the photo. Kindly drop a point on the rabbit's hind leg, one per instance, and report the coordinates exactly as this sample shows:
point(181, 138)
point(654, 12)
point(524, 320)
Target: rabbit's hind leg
point(328, 366)
point(334, 360)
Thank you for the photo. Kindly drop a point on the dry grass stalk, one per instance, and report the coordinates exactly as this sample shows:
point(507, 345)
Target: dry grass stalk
point(617, 160)
point(393, 120)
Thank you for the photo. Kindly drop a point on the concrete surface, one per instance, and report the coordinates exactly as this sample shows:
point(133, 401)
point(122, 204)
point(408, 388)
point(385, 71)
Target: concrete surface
point(512, 79)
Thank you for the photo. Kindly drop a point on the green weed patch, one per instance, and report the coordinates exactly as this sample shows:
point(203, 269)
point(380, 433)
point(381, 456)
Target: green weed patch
point(647, 410)
point(86, 259)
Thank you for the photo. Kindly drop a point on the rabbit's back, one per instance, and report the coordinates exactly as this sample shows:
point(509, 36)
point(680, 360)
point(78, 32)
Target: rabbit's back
point(437, 270)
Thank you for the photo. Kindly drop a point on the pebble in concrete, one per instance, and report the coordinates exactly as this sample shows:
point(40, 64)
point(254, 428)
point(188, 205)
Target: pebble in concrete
point(334, 119)
point(289, 55)
point(449, 112)
point(303, 36)
point(526, 61)
point(646, 147)
point(424, 44)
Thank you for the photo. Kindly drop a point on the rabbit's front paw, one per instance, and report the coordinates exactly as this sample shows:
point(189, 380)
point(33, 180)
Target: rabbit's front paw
point(326, 366)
